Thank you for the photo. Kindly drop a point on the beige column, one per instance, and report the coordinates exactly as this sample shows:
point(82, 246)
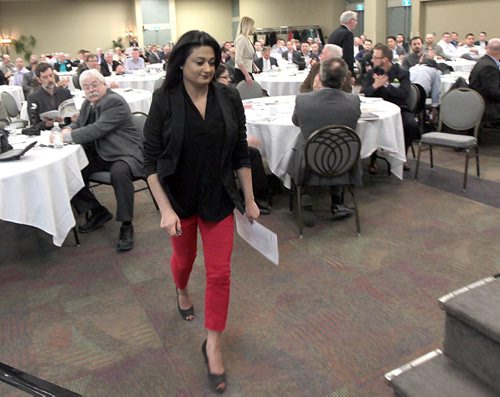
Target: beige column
point(417, 19)
point(375, 20)
point(139, 22)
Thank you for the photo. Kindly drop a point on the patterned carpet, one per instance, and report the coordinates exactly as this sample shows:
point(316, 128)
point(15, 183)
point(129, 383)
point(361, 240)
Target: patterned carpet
point(337, 313)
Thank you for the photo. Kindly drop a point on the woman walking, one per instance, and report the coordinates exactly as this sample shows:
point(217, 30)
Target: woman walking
point(194, 141)
point(245, 52)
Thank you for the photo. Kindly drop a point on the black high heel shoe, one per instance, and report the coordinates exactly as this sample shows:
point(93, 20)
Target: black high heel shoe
point(187, 314)
point(215, 380)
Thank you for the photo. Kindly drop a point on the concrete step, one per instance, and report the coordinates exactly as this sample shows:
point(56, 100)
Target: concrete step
point(435, 375)
point(472, 329)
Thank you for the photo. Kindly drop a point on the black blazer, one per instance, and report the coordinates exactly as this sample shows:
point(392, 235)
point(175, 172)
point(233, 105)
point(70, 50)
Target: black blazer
point(297, 58)
point(260, 63)
point(344, 38)
point(105, 70)
point(164, 134)
point(485, 79)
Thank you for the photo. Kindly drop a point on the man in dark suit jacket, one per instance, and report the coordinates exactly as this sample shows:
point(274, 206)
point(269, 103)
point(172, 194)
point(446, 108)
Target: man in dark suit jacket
point(154, 56)
point(344, 38)
point(317, 109)
point(485, 79)
point(482, 42)
point(106, 125)
point(109, 65)
point(294, 56)
point(266, 62)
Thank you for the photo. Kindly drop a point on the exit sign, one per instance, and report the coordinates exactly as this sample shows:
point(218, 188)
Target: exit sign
point(406, 3)
point(360, 7)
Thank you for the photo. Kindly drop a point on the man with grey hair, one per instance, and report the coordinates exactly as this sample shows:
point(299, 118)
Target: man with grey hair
point(485, 79)
point(344, 37)
point(112, 143)
point(317, 109)
point(329, 51)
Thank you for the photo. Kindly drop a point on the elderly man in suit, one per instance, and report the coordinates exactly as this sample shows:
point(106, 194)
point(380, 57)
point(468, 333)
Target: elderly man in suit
point(485, 79)
point(109, 65)
point(112, 143)
point(329, 51)
point(327, 105)
point(344, 38)
point(265, 63)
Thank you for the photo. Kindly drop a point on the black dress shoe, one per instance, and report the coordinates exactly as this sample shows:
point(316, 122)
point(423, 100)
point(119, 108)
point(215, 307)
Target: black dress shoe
point(126, 239)
point(97, 220)
point(340, 211)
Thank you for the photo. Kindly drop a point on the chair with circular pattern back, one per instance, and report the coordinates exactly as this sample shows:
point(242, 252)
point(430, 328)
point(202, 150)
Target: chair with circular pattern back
point(330, 152)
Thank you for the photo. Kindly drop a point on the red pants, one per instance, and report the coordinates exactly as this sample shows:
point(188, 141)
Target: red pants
point(217, 238)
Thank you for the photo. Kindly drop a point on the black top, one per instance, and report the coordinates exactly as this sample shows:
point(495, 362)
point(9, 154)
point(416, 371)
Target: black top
point(344, 38)
point(40, 101)
point(196, 187)
point(164, 134)
point(397, 90)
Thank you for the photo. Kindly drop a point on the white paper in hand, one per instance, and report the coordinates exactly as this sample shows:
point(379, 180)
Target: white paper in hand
point(259, 237)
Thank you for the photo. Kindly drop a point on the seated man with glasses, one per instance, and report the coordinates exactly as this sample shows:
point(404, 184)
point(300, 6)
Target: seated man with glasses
point(389, 81)
point(112, 143)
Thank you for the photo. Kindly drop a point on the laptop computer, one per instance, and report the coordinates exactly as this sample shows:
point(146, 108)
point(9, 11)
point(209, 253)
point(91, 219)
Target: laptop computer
point(15, 154)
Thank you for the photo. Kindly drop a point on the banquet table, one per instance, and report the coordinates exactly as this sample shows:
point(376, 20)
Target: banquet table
point(36, 190)
point(138, 100)
point(16, 92)
point(459, 64)
point(270, 120)
point(285, 82)
point(136, 81)
point(155, 67)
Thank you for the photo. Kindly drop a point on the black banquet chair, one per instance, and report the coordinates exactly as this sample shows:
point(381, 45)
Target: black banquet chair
point(104, 177)
point(330, 152)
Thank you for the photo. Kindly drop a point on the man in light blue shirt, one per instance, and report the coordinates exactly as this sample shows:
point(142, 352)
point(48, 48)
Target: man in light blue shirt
point(17, 78)
point(135, 62)
point(426, 74)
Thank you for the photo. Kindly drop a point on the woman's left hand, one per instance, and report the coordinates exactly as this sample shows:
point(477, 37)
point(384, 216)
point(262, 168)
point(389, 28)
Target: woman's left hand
point(252, 211)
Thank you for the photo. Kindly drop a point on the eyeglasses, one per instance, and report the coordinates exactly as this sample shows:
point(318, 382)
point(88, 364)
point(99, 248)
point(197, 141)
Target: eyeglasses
point(94, 86)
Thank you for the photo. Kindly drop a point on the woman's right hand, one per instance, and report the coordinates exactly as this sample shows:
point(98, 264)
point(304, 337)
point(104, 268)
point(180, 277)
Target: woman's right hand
point(249, 81)
point(171, 223)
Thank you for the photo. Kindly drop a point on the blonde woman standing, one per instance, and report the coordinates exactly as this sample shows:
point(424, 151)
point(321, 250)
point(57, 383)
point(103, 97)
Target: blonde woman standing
point(244, 52)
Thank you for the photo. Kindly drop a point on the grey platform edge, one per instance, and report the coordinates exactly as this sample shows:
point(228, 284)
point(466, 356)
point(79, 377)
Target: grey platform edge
point(462, 290)
point(389, 376)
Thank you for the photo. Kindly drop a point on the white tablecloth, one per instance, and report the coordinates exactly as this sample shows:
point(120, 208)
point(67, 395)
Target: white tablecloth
point(37, 189)
point(138, 100)
point(459, 64)
point(16, 91)
point(155, 67)
point(146, 82)
point(281, 83)
point(270, 120)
